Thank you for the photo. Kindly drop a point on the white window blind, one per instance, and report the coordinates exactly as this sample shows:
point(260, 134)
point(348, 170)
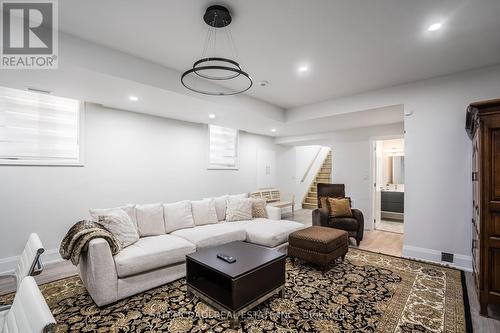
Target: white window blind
point(223, 148)
point(38, 128)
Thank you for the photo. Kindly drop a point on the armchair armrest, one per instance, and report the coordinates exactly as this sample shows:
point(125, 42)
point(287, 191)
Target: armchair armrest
point(320, 217)
point(98, 272)
point(273, 213)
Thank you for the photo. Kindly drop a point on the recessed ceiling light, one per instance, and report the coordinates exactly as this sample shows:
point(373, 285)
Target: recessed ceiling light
point(273, 130)
point(303, 69)
point(435, 27)
point(211, 116)
point(263, 83)
point(133, 98)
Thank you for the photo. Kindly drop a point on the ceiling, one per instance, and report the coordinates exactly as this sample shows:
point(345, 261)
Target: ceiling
point(350, 46)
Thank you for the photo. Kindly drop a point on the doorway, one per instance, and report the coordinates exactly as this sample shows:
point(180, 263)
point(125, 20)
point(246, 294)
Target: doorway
point(389, 172)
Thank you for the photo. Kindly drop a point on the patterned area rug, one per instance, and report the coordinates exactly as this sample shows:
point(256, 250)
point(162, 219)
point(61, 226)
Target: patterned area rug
point(367, 292)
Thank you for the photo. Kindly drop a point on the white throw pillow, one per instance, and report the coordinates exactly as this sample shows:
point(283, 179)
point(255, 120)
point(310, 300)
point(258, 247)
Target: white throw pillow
point(178, 216)
point(204, 212)
point(129, 209)
point(220, 207)
point(121, 226)
point(239, 209)
point(150, 219)
point(238, 196)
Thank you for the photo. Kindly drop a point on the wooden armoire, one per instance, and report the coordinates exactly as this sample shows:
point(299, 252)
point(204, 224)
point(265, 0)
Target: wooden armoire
point(483, 127)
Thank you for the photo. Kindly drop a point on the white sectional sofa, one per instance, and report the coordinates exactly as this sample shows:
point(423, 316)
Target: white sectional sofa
point(158, 259)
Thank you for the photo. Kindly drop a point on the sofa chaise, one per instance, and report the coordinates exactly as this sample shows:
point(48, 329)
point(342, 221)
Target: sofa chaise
point(158, 259)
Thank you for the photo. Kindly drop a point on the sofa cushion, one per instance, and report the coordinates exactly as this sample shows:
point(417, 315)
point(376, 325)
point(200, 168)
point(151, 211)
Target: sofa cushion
point(120, 225)
point(238, 196)
point(178, 215)
point(344, 223)
point(150, 253)
point(129, 209)
point(150, 219)
point(259, 208)
point(270, 233)
point(204, 212)
point(220, 206)
point(212, 234)
point(238, 209)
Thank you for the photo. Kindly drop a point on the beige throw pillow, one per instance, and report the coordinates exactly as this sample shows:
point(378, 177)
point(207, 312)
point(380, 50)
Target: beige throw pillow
point(129, 209)
point(238, 209)
point(259, 208)
point(120, 225)
point(339, 207)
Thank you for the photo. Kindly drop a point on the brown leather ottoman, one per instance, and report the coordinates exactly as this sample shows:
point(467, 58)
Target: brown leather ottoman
point(318, 245)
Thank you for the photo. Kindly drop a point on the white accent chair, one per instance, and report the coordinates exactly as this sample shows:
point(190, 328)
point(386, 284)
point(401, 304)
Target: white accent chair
point(29, 312)
point(29, 263)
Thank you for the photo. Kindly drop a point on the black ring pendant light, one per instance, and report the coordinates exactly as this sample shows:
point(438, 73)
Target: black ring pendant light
point(218, 71)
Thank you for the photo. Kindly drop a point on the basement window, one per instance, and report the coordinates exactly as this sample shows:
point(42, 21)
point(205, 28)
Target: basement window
point(223, 148)
point(39, 129)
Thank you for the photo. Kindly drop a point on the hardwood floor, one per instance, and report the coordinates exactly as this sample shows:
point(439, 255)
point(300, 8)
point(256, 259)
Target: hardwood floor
point(376, 241)
point(51, 272)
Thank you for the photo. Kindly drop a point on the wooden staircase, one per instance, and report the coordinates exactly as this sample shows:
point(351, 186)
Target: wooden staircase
point(324, 175)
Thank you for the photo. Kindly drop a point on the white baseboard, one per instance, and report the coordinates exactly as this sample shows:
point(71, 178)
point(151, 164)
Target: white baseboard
point(460, 261)
point(48, 257)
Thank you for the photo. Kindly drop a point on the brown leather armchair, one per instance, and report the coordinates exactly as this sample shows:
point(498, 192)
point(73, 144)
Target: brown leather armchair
point(353, 225)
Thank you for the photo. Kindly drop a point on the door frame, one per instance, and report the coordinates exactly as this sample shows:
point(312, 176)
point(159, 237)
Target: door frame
point(373, 163)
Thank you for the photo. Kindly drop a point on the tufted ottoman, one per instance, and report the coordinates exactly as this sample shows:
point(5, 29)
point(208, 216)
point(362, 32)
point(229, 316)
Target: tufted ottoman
point(318, 245)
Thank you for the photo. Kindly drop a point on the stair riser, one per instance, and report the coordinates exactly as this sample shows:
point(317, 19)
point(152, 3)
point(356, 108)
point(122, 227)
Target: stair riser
point(312, 200)
point(309, 206)
point(322, 180)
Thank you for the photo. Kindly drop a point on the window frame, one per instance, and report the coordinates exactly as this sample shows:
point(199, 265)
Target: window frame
point(237, 158)
point(61, 163)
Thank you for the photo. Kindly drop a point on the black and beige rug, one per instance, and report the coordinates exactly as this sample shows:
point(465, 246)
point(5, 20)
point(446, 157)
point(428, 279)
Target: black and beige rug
point(367, 292)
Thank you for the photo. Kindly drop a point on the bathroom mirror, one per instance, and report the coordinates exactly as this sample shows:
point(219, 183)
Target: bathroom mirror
point(394, 170)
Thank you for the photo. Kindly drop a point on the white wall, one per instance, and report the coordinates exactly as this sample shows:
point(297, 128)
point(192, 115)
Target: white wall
point(129, 158)
point(437, 156)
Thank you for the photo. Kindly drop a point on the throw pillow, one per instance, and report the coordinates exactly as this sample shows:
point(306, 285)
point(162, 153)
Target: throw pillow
point(120, 225)
point(129, 209)
point(259, 208)
point(339, 207)
point(204, 212)
point(220, 207)
point(323, 202)
point(239, 196)
point(178, 215)
point(239, 209)
point(150, 219)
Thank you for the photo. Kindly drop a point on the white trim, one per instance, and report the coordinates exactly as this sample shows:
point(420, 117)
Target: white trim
point(48, 257)
point(461, 261)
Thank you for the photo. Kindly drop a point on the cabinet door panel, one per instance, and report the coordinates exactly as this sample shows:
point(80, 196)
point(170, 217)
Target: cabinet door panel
point(495, 162)
point(495, 270)
point(495, 225)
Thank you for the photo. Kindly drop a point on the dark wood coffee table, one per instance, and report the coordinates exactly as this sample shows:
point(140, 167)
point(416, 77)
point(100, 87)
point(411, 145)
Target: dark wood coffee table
point(257, 274)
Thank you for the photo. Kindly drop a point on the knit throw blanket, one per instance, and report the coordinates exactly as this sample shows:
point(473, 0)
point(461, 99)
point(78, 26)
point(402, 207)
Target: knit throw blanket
point(78, 237)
